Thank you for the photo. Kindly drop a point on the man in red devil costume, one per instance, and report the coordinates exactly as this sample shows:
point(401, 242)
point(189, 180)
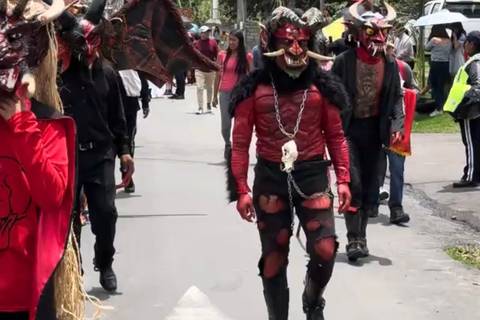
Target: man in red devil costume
point(372, 80)
point(37, 162)
point(295, 111)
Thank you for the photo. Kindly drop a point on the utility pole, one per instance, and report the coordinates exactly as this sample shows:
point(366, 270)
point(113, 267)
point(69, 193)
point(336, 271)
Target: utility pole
point(241, 13)
point(215, 9)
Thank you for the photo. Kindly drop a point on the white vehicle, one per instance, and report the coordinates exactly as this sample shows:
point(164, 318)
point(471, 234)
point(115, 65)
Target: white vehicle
point(470, 9)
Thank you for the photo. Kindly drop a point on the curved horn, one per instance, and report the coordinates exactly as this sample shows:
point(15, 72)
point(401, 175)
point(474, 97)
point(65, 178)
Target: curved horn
point(314, 17)
point(95, 11)
point(285, 13)
point(275, 54)
point(318, 57)
point(3, 6)
point(56, 9)
point(19, 8)
point(391, 13)
point(353, 10)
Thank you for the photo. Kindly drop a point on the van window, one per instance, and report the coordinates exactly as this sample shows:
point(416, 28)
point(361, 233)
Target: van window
point(469, 9)
point(427, 9)
point(436, 7)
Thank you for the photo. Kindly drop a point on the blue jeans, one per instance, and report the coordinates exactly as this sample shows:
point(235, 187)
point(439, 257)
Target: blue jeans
point(396, 164)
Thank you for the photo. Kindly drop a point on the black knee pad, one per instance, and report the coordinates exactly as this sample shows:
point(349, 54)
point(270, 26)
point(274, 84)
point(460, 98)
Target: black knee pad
point(320, 270)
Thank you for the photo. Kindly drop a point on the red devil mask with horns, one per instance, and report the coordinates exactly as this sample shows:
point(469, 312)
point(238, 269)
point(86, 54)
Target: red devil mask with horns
point(81, 38)
point(288, 37)
point(24, 40)
point(371, 28)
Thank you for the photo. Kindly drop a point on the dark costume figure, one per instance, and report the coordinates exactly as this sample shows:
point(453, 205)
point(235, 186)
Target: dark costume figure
point(372, 81)
point(37, 167)
point(146, 36)
point(295, 111)
point(91, 95)
point(134, 86)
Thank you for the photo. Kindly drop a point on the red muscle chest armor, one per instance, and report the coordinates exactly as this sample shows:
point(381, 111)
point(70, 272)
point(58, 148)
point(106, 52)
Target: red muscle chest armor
point(320, 126)
point(309, 139)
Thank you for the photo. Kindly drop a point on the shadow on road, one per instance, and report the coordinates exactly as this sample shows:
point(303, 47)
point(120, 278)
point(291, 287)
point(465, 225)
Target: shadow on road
point(449, 189)
point(101, 294)
point(385, 262)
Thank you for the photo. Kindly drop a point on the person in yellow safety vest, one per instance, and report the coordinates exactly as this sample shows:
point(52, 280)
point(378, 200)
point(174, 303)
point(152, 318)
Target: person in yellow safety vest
point(464, 105)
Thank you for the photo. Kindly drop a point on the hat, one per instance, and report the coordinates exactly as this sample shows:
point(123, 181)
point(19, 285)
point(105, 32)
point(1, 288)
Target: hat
point(474, 37)
point(204, 29)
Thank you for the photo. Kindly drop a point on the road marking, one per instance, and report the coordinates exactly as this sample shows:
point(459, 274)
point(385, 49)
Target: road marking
point(195, 305)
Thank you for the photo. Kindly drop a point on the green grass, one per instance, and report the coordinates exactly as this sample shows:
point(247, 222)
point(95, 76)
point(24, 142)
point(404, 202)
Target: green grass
point(468, 254)
point(440, 124)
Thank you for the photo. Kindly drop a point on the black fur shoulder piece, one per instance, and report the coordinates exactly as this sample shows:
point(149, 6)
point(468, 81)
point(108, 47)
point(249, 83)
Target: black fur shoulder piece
point(327, 83)
point(245, 88)
point(44, 112)
point(333, 90)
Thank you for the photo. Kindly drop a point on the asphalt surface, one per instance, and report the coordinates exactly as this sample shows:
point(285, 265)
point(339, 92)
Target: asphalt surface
point(183, 252)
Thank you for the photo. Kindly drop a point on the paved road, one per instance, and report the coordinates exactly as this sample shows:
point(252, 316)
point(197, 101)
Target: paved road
point(183, 253)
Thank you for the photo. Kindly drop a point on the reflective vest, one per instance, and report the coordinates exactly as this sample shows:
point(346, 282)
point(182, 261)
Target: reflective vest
point(459, 87)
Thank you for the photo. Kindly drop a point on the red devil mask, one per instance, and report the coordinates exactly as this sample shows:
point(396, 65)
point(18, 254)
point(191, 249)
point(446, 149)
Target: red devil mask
point(372, 28)
point(291, 36)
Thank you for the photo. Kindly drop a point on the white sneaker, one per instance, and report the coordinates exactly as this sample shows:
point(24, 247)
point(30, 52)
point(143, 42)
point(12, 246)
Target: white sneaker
point(435, 113)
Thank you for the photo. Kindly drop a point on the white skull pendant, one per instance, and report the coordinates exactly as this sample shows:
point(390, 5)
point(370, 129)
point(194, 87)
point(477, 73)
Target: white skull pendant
point(289, 155)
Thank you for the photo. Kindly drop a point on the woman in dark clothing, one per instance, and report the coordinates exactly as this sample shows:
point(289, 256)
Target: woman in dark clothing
point(440, 46)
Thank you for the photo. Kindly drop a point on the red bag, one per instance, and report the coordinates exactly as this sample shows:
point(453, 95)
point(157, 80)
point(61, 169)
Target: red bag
point(403, 147)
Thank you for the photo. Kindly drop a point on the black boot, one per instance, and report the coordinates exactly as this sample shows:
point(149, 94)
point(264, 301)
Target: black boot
point(352, 221)
point(108, 279)
point(398, 216)
point(365, 214)
point(313, 302)
point(276, 297)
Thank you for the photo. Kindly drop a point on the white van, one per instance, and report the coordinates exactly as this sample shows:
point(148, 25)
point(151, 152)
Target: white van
point(470, 9)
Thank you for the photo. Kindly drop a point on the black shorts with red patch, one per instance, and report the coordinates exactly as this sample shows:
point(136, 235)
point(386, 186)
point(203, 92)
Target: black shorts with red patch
point(272, 205)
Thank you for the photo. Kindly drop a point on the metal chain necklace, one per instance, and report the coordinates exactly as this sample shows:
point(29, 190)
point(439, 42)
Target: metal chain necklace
point(288, 169)
point(278, 117)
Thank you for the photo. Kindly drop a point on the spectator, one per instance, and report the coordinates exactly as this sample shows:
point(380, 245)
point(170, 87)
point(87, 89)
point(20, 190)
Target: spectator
point(180, 79)
point(134, 86)
point(440, 46)
point(468, 113)
point(404, 48)
point(457, 54)
point(217, 35)
point(397, 153)
point(236, 63)
point(257, 57)
point(205, 80)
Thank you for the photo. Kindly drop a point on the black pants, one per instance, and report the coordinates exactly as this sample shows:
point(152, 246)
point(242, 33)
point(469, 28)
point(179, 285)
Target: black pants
point(365, 147)
point(470, 130)
point(131, 111)
point(14, 316)
point(439, 78)
point(97, 177)
point(180, 80)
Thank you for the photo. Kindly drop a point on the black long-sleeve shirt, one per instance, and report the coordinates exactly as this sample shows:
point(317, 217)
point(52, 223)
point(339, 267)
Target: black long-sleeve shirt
point(92, 97)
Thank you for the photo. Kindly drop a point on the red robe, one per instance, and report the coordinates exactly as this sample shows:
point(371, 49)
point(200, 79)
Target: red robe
point(37, 174)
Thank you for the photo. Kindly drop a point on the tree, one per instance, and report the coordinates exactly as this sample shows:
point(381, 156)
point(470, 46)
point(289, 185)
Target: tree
point(201, 9)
